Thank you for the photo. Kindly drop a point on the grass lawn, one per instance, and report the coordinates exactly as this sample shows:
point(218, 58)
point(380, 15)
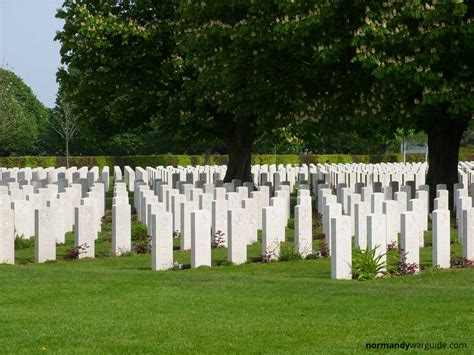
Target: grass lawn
point(118, 304)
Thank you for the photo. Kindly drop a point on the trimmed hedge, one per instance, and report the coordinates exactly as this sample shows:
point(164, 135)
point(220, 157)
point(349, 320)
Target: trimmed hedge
point(185, 160)
point(465, 154)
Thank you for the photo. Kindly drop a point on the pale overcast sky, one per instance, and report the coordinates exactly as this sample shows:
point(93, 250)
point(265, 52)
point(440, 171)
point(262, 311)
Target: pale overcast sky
point(27, 30)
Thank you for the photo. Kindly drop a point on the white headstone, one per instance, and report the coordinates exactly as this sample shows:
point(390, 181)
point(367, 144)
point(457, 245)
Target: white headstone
point(303, 230)
point(237, 236)
point(250, 207)
point(392, 214)
point(468, 236)
point(341, 248)
point(376, 200)
point(441, 238)
point(219, 217)
point(416, 205)
point(45, 242)
point(185, 229)
point(85, 230)
point(162, 242)
point(377, 235)
point(24, 218)
point(200, 238)
point(270, 233)
point(361, 209)
point(330, 211)
point(121, 229)
point(7, 236)
point(409, 238)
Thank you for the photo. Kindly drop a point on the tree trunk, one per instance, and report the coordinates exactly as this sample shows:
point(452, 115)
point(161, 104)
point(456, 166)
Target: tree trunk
point(444, 138)
point(239, 143)
point(67, 153)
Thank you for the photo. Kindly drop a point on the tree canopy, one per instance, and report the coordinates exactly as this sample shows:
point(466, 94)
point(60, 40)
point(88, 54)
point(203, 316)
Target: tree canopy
point(421, 54)
point(244, 71)
point(22, 117)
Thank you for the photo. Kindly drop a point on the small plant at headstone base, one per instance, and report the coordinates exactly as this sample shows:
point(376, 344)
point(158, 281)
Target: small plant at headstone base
point(367, 265)
point(219, 239)
point(392, 246)
point(409, 268)
point(288, 253)
point(405, 268)
point(324, 250)
point(318, 221)
point(23, 243)
point(142, 245)
point(462, 263)
point(291, 223)
point(176, 234)
point(270, 255)
point(139, 231)
point(74, 252)
point(107, 218)
point(105, 237)
point(176, 266)
point(313, 255)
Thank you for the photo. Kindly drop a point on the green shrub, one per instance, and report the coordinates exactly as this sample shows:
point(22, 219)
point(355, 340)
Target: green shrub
point(23, 243)
point(288, 253)
point(291, 223)
point(185, 160)
point(366, 265)
point(288, 159)
point(324, 250)
point(139, 231)
point(263, 159)
point(74, 252)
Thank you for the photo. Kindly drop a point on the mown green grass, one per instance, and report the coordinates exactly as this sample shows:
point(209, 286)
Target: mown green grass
point(119, 305)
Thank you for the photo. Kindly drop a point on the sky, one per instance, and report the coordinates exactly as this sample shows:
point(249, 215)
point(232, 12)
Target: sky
point(27, 30)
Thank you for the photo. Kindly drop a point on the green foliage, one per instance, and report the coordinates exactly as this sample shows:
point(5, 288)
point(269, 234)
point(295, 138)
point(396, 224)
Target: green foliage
point(185, 76)
point(23, 243)
point(115, 59)
point(185, 160)
point(367, 264)
point(23, 119)
point(139, 231)
point(288, 252)
point(421, 57)
point(291, 223)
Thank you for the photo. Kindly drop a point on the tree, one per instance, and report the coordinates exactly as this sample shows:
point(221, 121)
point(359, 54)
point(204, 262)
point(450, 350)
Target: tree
point(64, 123)
point(8, 110)
point(22, 117)
point(421, 54)
point(237, 79)
point(131, 64)
point(116, 58)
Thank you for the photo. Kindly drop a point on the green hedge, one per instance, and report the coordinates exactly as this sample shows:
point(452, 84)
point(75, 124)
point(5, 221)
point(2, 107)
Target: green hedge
point(184, 160)
point(465, 154)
